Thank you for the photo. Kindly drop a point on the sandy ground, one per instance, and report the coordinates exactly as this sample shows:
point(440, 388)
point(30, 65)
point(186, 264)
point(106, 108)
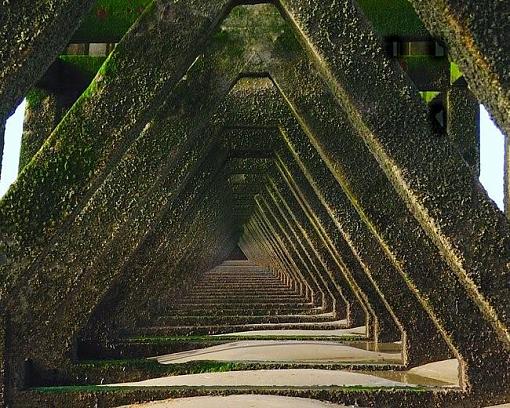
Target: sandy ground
point(357, 331)
point(500, 406)
point(238, 401)
point(446, 370)
point(266, 378)
point(280, 350)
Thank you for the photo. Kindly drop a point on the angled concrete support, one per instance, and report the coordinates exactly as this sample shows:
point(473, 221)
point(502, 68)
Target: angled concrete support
point(80, 153)
point(477, 36)
point(132, 195)
point(347, 294)
point(250, 111)
point(32, 34)
point(294, 252)
point(330, 296)
point(155, 272)
point(437, 186)
point(51, 97)
point(463, 123)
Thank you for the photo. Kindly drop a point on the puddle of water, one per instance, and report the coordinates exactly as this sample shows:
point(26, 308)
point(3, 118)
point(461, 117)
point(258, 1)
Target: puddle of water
point(407, 378)
point(373, 346)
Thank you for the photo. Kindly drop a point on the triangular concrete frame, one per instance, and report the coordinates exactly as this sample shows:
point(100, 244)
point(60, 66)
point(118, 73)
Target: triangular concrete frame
point(419, 183)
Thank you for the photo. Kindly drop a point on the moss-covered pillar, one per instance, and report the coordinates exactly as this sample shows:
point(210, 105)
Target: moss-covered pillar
point(469, 233)
point(161, 265)
point(506, 182)
point(355, 310)
point(477, 37)
point(52, 97)
point(32, 34)
point(330, 296)
point(463, 123)
point(2, 143)
point(258, 229)
point(93, 137)
point(338, 287)
point(274, 228)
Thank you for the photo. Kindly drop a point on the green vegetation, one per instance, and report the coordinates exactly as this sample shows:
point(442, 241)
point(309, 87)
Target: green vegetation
point(109, 20)
point(85, 64)
point(455, 73)
point(394, 18)
point(35, 97)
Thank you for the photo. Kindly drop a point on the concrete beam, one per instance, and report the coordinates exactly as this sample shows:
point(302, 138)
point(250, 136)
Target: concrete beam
point(155, 167)
point(477, 37)
point(463, 123)
point(436, 185)
point(265, 91)
point(32, 34)
point(80, 153)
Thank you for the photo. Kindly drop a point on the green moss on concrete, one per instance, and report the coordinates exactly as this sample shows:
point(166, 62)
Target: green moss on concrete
point(429, 96)
point(96, 388)
point(109, 20)
point(35, 97)
point(87, 65)
point(393, 18)
point(455, 73)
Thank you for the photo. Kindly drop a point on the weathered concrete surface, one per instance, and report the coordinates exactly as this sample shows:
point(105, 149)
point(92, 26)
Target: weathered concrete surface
point(272, 117)
point(463, 123)
point(32, 34)
point(79, 153)
point(435, 184)
point(477, 36)
point(51, 97)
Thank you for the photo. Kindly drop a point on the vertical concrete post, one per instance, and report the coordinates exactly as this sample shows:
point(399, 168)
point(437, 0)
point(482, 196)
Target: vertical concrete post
point(463, 123)
point(507, 177)
point(2, 143)
point(3, 354)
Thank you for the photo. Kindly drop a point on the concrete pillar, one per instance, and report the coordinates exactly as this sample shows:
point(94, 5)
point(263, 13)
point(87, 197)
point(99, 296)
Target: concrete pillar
point(330, 295)
point(463, 123)
point(51, 98)
point(506, 186)
point(32, 37)
point(2, 143)
point(477, 38)
point(463, 230)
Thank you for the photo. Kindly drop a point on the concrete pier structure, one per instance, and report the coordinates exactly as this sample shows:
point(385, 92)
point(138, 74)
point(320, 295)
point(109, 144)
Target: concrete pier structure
point(233, 186)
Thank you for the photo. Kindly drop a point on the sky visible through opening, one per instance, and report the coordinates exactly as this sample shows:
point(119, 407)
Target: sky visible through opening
point(491, 154)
